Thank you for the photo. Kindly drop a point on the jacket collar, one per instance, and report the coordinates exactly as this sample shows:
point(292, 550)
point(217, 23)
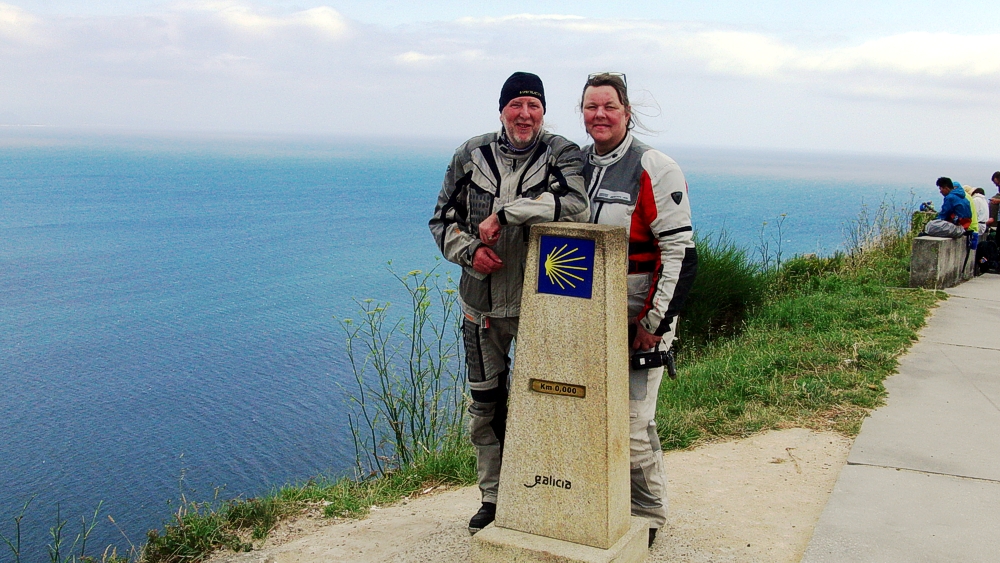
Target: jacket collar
point(510, 150)
point(613, 156)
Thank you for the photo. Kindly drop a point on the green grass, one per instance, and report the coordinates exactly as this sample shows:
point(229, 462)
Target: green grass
point(198, 529)
point(348, 498)
point(816, 358)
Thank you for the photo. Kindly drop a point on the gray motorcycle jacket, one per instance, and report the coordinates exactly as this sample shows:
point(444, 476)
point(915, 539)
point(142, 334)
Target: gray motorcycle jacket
point(541, 185)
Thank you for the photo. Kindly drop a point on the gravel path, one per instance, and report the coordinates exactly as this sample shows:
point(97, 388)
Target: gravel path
point(749, 500)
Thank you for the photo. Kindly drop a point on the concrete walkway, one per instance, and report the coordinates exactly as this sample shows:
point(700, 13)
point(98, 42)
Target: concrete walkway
point(922, 481)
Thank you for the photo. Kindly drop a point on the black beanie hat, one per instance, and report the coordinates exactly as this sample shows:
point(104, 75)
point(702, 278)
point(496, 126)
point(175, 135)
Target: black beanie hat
point(522, 84)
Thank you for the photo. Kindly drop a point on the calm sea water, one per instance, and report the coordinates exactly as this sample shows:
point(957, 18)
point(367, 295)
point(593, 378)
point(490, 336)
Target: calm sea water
point(168, 307)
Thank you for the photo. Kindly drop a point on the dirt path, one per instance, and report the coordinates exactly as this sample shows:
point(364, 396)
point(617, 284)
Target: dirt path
point(748, 500)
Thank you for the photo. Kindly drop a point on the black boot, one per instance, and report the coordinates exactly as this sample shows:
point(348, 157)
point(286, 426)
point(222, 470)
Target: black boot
point(487, 513)
point(652, 536)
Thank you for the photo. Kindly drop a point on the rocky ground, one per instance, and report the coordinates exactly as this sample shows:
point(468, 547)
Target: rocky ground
point(749, 500)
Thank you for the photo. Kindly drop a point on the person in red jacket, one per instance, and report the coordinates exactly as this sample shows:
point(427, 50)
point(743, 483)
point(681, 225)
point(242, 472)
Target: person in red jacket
point(635, 186)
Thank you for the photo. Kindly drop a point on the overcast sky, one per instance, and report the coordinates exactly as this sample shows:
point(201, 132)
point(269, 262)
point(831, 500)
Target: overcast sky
point(911, 78)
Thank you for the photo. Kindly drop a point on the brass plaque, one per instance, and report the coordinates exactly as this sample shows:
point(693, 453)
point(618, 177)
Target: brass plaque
point(556, 388)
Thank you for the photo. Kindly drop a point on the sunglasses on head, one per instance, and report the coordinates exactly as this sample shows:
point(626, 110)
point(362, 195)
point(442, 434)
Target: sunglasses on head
point(597, 75)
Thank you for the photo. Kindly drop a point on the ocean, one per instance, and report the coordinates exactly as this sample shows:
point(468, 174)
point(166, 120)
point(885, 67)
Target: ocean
point(169, 306)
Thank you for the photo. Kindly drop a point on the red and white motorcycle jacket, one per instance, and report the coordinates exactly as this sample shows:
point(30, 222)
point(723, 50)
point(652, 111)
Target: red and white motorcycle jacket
point(643, 190)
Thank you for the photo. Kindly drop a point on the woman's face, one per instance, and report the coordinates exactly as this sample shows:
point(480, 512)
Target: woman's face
point(604, 117)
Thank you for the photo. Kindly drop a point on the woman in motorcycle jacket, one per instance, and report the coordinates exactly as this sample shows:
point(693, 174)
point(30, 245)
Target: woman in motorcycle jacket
point(637, 187)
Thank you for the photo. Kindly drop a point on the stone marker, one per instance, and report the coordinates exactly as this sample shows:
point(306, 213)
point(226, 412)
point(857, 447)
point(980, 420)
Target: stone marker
point(564, 485)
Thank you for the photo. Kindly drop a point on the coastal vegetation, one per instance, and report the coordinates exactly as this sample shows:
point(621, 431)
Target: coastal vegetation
point(765, 343)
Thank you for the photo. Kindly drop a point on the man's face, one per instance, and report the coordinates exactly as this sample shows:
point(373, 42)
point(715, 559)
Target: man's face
point(944, 190)
point(522, 120)
point(996, 182)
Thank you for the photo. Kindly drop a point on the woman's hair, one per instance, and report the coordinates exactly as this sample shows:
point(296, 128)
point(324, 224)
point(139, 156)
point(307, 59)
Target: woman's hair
point(616, 81)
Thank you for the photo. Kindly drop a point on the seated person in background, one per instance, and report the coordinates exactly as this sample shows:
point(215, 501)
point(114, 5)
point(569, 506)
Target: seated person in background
point(967, 194)
point(982, 209)
point(984, 262)
point(955, 216)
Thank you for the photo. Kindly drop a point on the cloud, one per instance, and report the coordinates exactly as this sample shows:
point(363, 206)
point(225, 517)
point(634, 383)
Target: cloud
point(913, 54)
point(16, 24)
point(414, 58)
point(235, 65)
point(745, 53)
point(735, 52)
point(12, 17)
point(186, 35)
point(322, 19)
point(916, 65)
point(520, 18)
point(930, 54)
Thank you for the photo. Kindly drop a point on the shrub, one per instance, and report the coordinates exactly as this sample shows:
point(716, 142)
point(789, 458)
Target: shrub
point(409, 397)
point(197, 530)
point(729, 285)
point(802, 270)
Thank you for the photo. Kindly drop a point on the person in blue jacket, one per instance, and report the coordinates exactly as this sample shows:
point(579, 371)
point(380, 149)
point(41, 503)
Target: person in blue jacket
point(955, 216)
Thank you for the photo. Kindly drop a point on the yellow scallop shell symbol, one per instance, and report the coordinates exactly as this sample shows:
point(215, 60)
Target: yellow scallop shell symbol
point(558, 266)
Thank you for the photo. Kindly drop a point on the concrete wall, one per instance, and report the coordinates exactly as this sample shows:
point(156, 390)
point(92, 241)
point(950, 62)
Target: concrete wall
point(937, 263)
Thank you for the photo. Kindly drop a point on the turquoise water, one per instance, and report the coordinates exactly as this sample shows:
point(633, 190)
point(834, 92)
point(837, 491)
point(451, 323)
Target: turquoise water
point(169, 306)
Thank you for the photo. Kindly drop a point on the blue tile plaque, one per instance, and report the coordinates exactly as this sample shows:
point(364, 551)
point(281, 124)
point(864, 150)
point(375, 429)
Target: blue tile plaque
point(566, 266)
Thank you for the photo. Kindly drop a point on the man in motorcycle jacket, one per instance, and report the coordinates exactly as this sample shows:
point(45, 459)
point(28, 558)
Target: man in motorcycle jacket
point(496, 186)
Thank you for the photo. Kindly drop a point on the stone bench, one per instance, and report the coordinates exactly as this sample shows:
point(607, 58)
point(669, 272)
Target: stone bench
point(938, 263)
